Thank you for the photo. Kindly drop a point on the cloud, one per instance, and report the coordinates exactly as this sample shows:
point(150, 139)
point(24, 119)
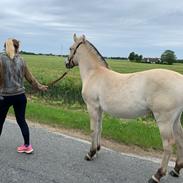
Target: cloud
point(112, 25)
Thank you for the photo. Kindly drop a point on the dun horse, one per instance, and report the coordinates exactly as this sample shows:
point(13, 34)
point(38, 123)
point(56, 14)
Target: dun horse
point(129, 96)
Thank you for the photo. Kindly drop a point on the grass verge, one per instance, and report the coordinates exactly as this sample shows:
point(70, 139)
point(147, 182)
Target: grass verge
point(141, 132)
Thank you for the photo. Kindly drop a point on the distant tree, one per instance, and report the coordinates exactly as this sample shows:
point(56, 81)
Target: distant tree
point(168, 57)
point(179, 60)
point(138, 58)
point(27, 53)
point(116, 58)
point(134, 57)
point(131, 56)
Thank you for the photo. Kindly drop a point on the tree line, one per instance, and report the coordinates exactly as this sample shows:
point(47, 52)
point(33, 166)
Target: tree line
point(167, 57)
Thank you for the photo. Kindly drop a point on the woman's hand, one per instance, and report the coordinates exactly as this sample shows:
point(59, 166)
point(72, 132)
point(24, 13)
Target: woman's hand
point(43, 88)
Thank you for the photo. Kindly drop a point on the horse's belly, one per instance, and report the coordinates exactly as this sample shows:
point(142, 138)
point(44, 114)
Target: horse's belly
point(127, 114)
point(125, 110)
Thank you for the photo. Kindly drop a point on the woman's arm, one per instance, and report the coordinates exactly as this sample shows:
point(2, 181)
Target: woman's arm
point(1, 74)
point(32, 80)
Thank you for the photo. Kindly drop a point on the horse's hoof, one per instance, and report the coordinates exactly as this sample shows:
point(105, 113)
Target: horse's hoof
point(88, 157)
point(151, 180)
point(173, 173)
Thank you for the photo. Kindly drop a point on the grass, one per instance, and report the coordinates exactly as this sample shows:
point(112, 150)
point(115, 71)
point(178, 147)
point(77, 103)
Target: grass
point(138, 131)
point(62, 106)
point(68, 90)
point(49, 68)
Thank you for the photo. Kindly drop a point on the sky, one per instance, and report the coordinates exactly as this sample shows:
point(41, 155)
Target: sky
point(115, 27)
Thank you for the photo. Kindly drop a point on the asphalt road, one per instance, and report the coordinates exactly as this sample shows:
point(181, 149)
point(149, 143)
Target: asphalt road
point(60, 159)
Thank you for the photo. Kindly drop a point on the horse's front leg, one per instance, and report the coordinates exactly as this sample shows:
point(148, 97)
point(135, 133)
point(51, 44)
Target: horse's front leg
point(95, 126)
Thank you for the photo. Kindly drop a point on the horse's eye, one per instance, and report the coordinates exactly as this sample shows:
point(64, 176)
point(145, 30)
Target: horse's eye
point(70, 49)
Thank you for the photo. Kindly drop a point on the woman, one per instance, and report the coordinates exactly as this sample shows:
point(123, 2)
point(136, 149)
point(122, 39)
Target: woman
point(13, 69)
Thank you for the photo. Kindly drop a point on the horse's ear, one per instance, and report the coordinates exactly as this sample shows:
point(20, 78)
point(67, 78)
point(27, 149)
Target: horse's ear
point(83, 38)
point(75, 37)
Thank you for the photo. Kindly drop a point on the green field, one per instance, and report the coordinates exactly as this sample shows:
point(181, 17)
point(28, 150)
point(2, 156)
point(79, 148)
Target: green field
point(49, 68)
point(62, 106)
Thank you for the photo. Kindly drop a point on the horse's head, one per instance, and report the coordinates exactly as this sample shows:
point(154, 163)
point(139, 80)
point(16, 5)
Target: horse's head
point(72, 57)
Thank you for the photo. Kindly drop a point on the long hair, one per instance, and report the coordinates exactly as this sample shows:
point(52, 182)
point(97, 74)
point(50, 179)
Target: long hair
point(11, 47)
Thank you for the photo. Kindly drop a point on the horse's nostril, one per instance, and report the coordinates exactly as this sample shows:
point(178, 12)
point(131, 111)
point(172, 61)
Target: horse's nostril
point(67, 65)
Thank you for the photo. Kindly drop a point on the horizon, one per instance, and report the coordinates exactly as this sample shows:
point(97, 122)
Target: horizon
point(65, 55)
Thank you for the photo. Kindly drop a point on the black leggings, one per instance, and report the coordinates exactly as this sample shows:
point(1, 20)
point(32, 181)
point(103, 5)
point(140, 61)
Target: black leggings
point(19, 105)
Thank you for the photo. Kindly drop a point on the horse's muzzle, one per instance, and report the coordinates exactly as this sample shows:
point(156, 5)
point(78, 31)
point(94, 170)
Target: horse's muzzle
point(68, 64)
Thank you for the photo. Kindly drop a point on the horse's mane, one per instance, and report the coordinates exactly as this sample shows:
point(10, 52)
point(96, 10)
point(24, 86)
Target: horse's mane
point(99, 56)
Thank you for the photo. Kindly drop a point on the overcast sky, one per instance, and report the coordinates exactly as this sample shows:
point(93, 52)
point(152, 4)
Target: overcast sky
point(115, 27)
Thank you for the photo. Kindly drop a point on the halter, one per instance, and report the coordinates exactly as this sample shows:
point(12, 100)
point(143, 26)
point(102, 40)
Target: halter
point(65, 73)
point(71, 58)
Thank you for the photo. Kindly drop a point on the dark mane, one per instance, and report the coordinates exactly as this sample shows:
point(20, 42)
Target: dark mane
point(101, 58)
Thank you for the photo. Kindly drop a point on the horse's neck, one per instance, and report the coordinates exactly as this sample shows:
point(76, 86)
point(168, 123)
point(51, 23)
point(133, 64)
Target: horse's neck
point(87, 62)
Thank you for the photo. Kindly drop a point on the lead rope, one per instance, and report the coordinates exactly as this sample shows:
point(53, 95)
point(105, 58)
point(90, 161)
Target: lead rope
point(49, 84)
point(57, 80)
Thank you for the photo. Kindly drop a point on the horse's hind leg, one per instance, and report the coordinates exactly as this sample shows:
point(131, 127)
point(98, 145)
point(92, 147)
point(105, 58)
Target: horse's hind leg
point(95, 124)
point(166, 132)
point(178, 135)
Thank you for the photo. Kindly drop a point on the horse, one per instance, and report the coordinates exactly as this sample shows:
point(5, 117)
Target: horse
point(131, 95)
